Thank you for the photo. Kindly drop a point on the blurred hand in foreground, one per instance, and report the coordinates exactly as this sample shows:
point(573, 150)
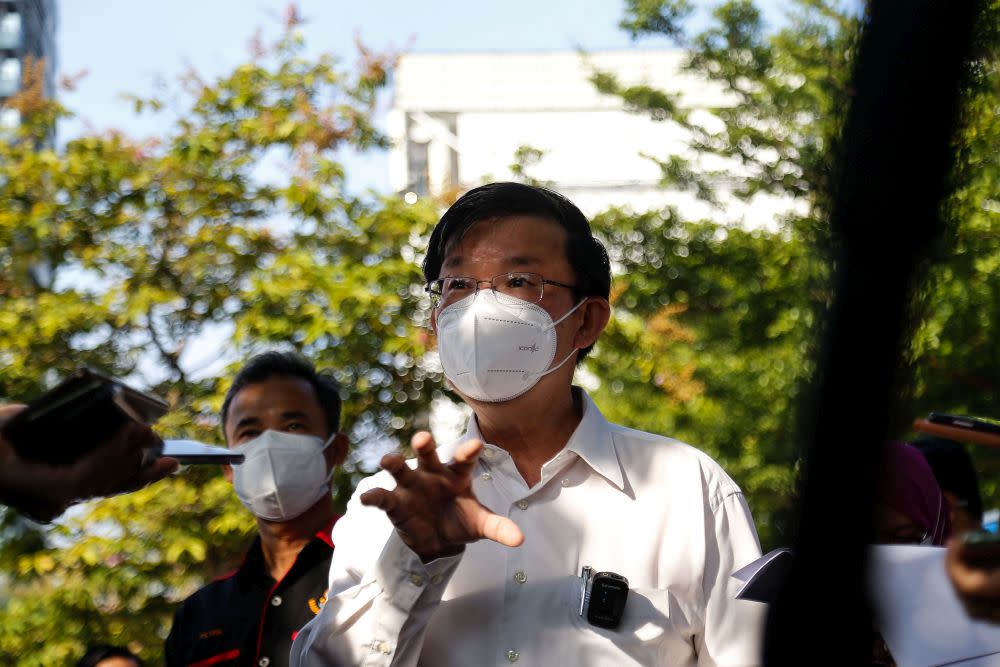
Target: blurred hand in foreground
point(43, 491)
point(974, 570)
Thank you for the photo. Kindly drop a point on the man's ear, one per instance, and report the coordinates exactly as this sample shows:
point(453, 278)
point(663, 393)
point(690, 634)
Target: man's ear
point(434, 320)
point(227, 472)
point(596, 313)
point(336, 451)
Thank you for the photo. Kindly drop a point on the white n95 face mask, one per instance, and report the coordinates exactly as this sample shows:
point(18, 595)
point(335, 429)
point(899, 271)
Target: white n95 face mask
point(495, 351)
point(282, 474)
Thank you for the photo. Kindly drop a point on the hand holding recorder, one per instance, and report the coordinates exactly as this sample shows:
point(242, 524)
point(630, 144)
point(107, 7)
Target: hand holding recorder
point(88, 437)
point(44, 490)
point(973, 560)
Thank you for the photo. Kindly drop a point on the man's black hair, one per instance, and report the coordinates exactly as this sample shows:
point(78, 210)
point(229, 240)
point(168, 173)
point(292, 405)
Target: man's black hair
point(287, 364)
point(953, 470)
point(95, 654)
point(494, 201)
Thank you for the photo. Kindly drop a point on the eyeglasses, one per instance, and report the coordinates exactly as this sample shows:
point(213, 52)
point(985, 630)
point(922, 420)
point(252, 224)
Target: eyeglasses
point(528, 287)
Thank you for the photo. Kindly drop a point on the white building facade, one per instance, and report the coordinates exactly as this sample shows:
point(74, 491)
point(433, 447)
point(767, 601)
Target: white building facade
point(457, 120)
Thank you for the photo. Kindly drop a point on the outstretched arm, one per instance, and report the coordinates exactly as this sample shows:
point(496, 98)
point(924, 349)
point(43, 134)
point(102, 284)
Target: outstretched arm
point(396, 549)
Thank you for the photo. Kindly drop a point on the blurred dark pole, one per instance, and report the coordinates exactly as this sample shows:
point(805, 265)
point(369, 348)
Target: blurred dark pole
point(894, 162)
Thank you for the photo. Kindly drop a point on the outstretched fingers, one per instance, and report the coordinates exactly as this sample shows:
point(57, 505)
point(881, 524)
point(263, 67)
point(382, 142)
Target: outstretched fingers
point(426, 451)
point(382, 499)
point(498, 528)
point(466, 455)
point(395, 465)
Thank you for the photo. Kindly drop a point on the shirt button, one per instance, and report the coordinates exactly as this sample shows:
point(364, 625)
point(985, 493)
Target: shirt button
point(437, 579)
point(486, 476)
point(520, 577)
point(384, 648)
point(489, 453)
point(416, 580)
point(264, 662)
point(276, 601)
point(513, 656)
point(522, 504)
point(565, 482)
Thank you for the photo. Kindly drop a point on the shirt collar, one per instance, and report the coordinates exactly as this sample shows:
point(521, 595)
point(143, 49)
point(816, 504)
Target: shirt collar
point(253, 567)
point(592, 441)
point(326, 532)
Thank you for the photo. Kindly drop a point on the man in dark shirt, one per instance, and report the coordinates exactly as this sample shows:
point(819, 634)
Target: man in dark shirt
point(284, 417)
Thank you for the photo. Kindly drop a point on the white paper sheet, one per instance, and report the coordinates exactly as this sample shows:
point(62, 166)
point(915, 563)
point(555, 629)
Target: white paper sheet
point(919, 614)
point(762, 577)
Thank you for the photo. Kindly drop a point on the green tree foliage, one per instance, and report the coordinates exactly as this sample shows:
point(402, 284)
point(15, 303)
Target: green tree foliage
point(749, 303)
point(233, 227)
point(526, 157)
point(232, 230)
point(708, 343)
point(955, 356)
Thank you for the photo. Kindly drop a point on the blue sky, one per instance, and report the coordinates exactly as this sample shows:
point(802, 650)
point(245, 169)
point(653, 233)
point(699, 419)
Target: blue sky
point(127, 46)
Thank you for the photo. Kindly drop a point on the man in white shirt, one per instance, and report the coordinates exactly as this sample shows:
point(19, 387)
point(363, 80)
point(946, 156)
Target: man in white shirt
point(476, 561)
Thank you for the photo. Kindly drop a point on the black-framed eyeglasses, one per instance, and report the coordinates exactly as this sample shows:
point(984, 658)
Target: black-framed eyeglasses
point(521, 285)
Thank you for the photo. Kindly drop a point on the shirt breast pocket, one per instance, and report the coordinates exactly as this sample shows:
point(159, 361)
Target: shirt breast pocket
point(656, 624)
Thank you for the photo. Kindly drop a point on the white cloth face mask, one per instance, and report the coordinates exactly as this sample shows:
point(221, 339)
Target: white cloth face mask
point(494, 350)
point(282, 474)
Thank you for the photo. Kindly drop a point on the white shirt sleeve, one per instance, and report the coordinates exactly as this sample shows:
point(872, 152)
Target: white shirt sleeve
point(373, 616)
point(733, 629)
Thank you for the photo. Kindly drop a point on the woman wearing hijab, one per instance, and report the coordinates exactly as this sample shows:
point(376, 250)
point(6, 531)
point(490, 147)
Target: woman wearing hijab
point(910, 510)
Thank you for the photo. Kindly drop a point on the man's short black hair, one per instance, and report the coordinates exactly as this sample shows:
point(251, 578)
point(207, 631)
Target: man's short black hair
point(494, 201)
point(953, 470)
point(287, 364)
point(95, 654)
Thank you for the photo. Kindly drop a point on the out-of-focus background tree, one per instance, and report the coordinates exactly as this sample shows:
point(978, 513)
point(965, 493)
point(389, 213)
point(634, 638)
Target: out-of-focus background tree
point(955, 356)
point(749, 303)
point(116, 253)
point(235, 218)
point(750, 300)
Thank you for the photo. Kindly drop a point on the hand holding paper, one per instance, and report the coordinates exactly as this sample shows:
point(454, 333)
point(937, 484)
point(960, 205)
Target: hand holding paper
point(919, 613)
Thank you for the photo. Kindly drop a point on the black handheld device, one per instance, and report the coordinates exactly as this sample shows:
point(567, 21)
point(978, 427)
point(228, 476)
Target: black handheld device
point(981, 424)
point(603, 597)
point(75, 417)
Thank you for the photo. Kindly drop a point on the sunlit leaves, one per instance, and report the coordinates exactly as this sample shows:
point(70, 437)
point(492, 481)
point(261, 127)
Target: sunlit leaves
point(228, 233)
point(708, 343)
point(753, 300)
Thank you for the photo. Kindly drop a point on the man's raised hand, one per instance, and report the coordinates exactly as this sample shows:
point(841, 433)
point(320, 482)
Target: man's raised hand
point(433, 507)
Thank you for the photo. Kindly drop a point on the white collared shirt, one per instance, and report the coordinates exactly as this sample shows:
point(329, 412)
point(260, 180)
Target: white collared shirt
point(658, 512)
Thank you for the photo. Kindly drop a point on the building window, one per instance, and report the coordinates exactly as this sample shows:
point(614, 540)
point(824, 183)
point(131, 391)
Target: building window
point(10, 24)
point(419, 176)
point(10, 76)
point(10, 31)
point(9, 119)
